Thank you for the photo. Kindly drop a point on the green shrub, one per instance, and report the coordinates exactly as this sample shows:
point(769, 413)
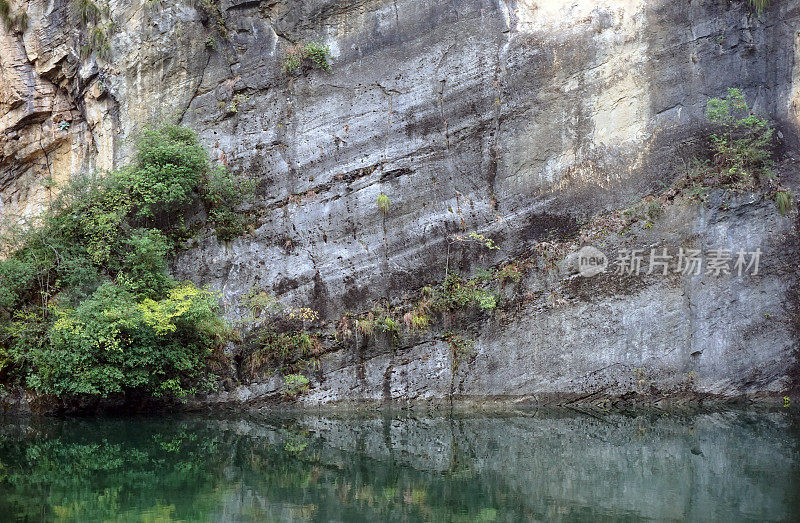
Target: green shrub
point(259, 302)
point(276, 349)
point(509, 273)
point(365, 326)
point(479, 238)
point(654, 210)
point(86, 304)
point(418, 319)
point(169, 168)
point(114, 343)
point(318, 54)
point(454, 293)
point(145, 263)
point(389, 326)
point(295, 384)
point(741, 151)
point(461, 348)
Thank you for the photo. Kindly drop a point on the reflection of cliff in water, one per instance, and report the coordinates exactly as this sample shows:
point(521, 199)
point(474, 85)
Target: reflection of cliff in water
point(702, 467)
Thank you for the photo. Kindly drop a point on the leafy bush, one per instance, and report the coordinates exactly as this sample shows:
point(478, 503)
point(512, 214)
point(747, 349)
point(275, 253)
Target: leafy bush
point(86, 304)
point(461, 348)
point(419, 319)
point(477, 238)
point(276, 349)
point(366, 326)
point(741, 151)
point(295, 384)
point(454, 293)
point(509, 273)
point(170, 166)
point(114, 343)
point(741, 154)
point(389, 326)
point(318, 54)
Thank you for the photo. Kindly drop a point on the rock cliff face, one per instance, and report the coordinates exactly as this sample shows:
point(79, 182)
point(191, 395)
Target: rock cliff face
point(519, 120)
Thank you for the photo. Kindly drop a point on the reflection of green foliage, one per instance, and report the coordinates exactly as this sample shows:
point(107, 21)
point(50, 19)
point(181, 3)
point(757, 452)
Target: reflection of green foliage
point(270, 469)
point(103, 472)
point(296, 443)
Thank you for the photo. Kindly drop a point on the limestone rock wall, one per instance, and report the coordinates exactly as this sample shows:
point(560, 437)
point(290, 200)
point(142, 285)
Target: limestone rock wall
point(515, 119)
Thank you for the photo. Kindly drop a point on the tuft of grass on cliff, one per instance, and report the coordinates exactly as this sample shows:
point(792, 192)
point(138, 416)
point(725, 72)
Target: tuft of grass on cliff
point(86, 304)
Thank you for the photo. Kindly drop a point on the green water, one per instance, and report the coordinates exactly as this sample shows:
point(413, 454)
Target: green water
point(719, 466)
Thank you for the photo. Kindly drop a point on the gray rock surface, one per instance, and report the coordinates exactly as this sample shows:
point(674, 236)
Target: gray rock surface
point(516, 119)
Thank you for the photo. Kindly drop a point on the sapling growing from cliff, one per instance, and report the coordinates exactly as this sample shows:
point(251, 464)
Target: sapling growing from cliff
point(383, 203)
point(223, 193)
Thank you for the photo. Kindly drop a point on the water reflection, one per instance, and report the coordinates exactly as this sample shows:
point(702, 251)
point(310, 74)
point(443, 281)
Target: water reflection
point(708, 466)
